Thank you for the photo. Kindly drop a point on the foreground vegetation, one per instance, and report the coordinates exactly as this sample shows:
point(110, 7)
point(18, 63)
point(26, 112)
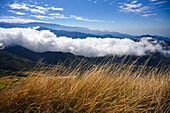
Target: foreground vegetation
point(89, 88)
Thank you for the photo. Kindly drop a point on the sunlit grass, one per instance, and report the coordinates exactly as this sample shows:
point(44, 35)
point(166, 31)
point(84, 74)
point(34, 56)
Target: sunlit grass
point(89, 88)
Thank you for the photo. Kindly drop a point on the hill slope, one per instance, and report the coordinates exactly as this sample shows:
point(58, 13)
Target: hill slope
point(10, 63)
point(48, 57)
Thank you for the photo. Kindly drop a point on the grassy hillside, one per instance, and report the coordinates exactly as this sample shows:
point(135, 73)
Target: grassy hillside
point(10, 63)
point(100, 88)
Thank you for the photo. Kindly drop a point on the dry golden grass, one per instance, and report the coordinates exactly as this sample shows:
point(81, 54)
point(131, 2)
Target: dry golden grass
point(103, 88)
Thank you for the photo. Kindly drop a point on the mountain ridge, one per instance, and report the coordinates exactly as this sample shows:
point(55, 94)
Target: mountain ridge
point(55, 57)
point(78, 31)
point(62, 27)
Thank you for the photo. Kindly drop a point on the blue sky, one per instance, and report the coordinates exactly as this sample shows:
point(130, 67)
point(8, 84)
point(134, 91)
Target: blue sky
point(134, 17)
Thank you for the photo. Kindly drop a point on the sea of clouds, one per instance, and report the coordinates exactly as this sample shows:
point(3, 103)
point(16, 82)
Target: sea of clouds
point(42, 41)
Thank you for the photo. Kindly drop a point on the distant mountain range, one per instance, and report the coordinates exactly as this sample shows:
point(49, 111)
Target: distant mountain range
point(57, 27)
point(75, 32)
point(156, 37)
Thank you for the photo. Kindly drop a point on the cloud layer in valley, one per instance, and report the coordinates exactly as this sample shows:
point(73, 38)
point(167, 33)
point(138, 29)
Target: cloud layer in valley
point(41, 41)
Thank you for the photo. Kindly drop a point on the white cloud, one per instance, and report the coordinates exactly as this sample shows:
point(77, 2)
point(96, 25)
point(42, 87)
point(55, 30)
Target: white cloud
point(18, 13)
point(58, 15)
point(19, 6)
point(41, 41)
point(95, 1)
point(32, 5)
point(146, 15)
point(37, 11)
point(133, 2)
point(16, 20)
point(61, 16)
point(7, 17)
point(80, 18)
point(42, 17)
point(41, 8)
point(48, 8)
point(162, 2)
point(57, 9)
point(52, 16)
point(153, 0)
point(133, 7)
point(33, 8)
point(55, 14)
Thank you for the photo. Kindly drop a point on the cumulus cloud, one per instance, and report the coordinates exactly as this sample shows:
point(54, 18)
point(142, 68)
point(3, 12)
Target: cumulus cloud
point(41, 41)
